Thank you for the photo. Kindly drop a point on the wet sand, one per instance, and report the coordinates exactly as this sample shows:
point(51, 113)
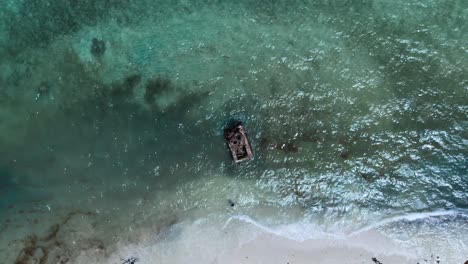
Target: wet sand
point(366, 248)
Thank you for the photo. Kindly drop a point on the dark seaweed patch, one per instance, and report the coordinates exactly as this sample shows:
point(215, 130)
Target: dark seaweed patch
point(368, 176)
point(156, 86)
point(125, 88)
point(186, 102)
point(5, 178)
point(38, 250)
point(287, 147)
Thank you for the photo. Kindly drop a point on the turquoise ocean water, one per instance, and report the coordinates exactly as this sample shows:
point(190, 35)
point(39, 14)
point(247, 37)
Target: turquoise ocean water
point(112, 117)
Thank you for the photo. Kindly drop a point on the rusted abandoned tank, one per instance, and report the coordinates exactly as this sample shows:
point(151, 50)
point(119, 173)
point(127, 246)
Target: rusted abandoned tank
point(238, 142)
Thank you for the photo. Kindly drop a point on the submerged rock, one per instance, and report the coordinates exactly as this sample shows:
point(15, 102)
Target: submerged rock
point(43, 90)
point(344, 154)
point(98, 47)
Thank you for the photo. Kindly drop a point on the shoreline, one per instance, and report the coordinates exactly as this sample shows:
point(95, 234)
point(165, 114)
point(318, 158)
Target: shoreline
point(233, 239)
point(219, 240)
point(269, 248)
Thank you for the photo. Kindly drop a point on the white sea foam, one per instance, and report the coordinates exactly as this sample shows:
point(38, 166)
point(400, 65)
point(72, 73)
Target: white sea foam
point(440, 232)
point(299, 231)
point(412, 217)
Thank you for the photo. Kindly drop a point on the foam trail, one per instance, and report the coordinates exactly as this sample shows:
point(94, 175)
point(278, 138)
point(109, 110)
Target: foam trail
point(412, 217)
point(299, 231)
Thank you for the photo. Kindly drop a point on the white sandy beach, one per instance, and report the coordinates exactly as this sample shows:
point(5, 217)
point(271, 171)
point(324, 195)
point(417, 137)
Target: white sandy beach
point(209, 241)
point(362, 249)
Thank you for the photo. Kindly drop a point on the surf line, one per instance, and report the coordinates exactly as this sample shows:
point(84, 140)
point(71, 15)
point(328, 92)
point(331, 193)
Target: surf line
point(412, 217)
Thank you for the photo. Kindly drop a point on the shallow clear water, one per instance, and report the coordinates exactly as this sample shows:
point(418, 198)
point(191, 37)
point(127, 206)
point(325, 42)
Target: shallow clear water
point(357, 113)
